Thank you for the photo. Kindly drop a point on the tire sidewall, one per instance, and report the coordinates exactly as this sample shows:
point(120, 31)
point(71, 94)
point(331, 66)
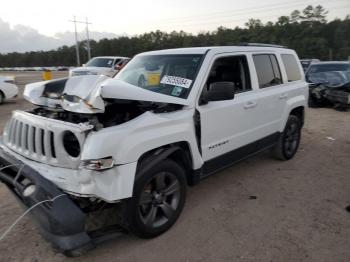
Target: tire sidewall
point(133, 216)
point(291, 119)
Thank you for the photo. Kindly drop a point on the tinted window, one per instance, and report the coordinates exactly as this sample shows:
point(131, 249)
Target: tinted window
point(267, 70)
point(292, 68)
point(231, 69)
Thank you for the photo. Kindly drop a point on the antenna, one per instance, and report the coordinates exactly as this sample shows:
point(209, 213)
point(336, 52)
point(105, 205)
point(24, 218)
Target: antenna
point(86, 22)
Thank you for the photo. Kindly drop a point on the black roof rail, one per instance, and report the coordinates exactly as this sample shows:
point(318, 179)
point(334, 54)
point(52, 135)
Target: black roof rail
point(262, 45)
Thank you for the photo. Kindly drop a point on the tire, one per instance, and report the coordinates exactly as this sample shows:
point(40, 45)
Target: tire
point(2, 98)
point(158, 199)
point(289, 140)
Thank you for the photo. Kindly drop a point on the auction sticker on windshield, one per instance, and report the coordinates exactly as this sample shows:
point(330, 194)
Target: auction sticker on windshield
point(176, 81)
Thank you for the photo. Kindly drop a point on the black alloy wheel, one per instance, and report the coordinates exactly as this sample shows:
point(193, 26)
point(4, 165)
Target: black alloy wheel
point(158, 199)
point(289, 140)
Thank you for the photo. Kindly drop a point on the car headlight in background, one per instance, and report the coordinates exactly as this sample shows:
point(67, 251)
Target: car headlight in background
point(97, 164)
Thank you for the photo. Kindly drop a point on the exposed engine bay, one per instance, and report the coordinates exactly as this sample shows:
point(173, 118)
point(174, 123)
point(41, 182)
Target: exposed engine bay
point(116, 112)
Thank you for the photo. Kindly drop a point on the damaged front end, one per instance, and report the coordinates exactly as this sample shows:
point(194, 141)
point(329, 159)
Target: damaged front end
point(330, 89)
point(44, 148)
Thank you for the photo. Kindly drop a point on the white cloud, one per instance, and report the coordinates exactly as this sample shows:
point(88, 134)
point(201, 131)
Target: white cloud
point(21, 38)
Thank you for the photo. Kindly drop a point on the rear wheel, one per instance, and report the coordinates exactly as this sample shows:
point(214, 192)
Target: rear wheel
point(289, 140)
point(159, 196)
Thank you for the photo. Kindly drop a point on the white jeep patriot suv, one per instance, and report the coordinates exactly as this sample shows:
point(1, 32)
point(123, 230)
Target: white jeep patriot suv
point(130, 145)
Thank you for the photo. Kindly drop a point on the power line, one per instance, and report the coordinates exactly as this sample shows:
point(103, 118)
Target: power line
point(229, 18)
point(244, 19)
point(223, 14)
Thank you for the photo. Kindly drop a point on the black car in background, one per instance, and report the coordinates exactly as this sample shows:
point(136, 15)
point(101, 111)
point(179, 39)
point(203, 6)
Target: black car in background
point(329, 84)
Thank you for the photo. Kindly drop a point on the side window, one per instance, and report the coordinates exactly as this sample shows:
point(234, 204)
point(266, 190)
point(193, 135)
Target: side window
point(292, 68)
point(267, 69)
point(231, 69)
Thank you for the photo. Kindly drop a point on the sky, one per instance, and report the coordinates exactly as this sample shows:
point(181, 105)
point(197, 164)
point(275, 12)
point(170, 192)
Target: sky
point(43, 25)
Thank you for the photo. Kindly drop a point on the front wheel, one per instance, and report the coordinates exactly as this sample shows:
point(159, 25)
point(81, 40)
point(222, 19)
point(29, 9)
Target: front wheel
point(159, 197)
point(289, 140)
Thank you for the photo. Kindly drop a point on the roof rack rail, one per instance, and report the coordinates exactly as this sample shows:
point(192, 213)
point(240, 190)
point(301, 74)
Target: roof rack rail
point(262, 45)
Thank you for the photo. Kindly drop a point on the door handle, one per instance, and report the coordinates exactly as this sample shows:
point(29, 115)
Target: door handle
point(250, 104)
point(284, 96)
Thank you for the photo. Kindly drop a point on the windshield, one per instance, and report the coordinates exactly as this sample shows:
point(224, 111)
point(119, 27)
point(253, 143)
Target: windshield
point(171, 75)
point(328, 67)
point(100, 62)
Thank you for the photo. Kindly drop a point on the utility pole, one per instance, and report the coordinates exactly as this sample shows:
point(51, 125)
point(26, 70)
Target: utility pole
point(87, 38)
point(76, 40)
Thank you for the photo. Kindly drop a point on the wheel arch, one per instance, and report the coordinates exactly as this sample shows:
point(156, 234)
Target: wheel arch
point(178, 152)
point(299, 112)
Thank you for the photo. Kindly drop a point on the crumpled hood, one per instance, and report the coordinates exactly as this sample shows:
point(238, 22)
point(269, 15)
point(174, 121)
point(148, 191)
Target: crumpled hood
point(86, 94)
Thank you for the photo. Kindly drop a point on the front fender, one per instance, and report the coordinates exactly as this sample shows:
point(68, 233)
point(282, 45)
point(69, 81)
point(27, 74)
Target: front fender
point(127, 142)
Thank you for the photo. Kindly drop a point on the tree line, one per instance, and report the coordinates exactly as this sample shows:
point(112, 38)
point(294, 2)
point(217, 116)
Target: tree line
point(306, 31)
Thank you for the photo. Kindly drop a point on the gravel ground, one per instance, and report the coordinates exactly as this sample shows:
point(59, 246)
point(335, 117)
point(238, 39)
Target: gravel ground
point(258, 210)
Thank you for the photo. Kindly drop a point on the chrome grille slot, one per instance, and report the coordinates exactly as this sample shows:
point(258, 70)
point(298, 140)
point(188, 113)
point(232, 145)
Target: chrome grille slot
point(40, 139)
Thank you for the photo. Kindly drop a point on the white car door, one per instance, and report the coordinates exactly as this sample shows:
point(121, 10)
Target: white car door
point(230, 124)
point(272, 94)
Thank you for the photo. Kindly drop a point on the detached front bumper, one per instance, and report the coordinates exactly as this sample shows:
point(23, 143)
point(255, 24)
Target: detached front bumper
point(61, 222)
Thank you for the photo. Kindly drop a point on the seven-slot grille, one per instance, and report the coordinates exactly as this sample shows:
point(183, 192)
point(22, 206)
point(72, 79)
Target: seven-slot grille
point(31, 140)
point(41, 139)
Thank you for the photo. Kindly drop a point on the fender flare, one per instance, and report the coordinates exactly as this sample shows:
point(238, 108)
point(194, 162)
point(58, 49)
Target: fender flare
point(155, 156)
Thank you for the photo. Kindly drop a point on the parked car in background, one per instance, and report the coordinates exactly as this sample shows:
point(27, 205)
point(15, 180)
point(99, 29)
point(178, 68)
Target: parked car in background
point(329, 84)
point(305, 63)
point(8, 89)
point(102, 65)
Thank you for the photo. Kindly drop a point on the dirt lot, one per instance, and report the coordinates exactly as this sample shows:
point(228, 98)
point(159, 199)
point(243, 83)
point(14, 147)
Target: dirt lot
point(298, 214)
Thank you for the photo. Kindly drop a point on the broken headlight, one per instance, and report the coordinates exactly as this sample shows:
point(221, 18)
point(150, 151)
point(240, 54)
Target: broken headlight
point(97, 164)
point(71, 144)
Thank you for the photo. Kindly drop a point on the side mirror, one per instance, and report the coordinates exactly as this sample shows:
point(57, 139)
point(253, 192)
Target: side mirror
point(219, 91)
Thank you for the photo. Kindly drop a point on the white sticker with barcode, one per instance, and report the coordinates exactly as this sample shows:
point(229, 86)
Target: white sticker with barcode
point(176, 81)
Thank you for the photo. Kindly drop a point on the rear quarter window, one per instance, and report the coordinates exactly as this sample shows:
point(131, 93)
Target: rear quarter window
point(292, 67)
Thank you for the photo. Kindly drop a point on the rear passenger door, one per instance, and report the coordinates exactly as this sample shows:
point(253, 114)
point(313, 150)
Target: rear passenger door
point(272, 95)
